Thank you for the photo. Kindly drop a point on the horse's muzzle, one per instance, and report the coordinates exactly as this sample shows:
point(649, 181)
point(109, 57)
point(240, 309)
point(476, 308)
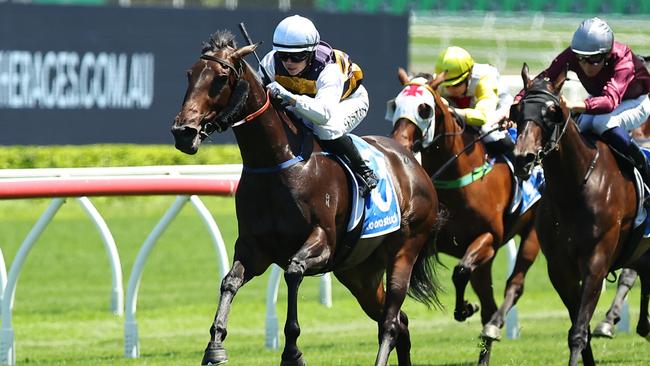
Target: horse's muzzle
point(186, 138)
point(524, 165)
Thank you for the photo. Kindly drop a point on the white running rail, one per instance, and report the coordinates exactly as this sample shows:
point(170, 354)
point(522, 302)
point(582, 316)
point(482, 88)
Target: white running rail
point(79, 183)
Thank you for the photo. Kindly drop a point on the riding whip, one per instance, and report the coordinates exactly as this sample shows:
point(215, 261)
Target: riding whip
point(242, 28)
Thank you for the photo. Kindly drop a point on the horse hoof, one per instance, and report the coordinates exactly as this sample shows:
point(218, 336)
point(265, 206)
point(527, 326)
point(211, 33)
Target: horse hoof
point(491, 332)
point(465, 312)
point(604, 330)
point(214, 354)
point(300, 361)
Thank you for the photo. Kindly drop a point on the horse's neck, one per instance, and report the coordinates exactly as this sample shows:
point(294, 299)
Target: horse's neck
point(451, 143)
point(271, 138)
point(567, 166)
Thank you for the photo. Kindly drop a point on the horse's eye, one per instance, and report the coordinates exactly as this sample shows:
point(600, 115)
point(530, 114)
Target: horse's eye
point(217, 84)
point(189, 74)
point(425, 111)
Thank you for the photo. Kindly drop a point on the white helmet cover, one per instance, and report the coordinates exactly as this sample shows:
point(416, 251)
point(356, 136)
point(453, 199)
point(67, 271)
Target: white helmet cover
point(593, 37)
point(295, 34)
point(405, 105)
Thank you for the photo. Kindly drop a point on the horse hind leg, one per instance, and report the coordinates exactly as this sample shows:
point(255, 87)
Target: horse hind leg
point(403, 345)
point(313, 254)
point(393, 327)
point(643, 326)
point(366, 282)
point(625, 282)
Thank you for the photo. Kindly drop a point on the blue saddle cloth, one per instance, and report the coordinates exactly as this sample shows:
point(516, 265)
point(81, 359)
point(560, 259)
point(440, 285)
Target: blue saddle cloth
point(382, 212)
point(527, 192)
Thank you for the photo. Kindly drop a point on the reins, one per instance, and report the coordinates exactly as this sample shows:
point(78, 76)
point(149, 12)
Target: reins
point(446, 165)
point(257, 113)
point(556, 134)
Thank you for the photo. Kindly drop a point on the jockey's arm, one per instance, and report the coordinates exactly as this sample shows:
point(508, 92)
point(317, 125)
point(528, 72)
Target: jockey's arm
point(486, 103)
point(268, 64)
point(329, 90)
point(576, 106)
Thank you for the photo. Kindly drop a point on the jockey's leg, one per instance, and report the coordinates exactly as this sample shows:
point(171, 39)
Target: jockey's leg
point(498, 142)
point(619, 139)
point(344, 147)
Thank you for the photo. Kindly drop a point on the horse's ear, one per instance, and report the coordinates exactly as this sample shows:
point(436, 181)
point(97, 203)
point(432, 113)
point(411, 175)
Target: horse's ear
point(402, 76)
point(525, 76)
point(243, 51)
point(438, 80)
point(561, 78)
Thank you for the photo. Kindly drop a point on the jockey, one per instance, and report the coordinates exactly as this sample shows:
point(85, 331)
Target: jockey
point(617, 82)
point(476, 93)
point(321, 85)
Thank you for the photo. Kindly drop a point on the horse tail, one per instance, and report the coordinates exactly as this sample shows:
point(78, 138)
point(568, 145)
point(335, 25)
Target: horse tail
point(424, 285)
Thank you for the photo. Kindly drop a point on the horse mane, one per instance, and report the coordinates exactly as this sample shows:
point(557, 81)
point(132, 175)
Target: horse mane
point(425, 75)
point(219, 40)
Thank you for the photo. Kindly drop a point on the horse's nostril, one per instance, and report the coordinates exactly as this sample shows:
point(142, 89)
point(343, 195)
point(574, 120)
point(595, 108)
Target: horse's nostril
point(184, 131)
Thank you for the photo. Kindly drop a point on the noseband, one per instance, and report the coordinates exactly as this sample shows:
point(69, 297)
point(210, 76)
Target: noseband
point(553, 131)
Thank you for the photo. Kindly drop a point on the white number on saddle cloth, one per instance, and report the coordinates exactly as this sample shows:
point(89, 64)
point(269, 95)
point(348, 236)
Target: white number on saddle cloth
point(382, 211)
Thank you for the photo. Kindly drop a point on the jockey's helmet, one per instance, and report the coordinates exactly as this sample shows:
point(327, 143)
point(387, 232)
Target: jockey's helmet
point(295, 34)
point(457, 62)
point(593, 37)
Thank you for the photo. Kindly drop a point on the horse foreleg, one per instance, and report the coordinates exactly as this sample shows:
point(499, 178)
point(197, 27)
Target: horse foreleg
point(477, 253)
point(314, 253)
point(566, 282)
point(215, 353)
point(579, 335)
point(613, 316)
point(643, 326)
point(528, 251)
point(481, 281)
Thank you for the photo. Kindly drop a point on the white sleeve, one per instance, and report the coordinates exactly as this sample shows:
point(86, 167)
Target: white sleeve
point(268, 64)
point(329, 88)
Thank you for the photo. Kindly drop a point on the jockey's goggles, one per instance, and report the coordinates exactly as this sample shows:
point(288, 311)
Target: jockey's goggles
point(591, 59)
point(293, 56)
point(456, 81)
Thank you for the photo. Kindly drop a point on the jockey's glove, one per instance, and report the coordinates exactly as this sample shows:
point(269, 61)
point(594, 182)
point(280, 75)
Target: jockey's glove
point(279, 91)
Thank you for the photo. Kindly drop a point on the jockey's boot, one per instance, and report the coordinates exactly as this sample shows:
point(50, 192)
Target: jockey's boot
point(344, 147)
point(641, 163)
point(620, 140)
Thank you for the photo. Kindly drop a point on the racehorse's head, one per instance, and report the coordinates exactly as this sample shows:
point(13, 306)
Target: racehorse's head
point(413, 110)
point(540, 121)
point(216, 92)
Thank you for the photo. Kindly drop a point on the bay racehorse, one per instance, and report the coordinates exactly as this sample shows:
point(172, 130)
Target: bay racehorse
point(587, 212)
point(480, 221)
point(293, 204)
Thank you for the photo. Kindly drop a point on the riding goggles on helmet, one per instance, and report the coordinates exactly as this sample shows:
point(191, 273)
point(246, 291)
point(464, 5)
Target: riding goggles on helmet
point(293, 56)
point(591, 59)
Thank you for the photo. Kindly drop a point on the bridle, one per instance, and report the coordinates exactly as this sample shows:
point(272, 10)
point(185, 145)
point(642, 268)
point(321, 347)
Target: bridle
point(544, 99)
point(223, 62)
point(220, 122)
